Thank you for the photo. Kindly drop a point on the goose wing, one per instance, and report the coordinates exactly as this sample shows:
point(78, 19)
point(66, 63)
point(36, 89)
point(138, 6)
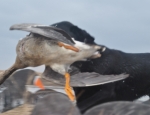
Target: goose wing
point(79, 79)
point(93, 79)
point(45, 30)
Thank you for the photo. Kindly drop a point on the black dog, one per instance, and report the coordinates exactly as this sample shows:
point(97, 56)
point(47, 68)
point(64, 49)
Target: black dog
point(111, 62)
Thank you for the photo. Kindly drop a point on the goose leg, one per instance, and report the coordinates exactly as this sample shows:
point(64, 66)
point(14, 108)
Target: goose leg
point(68, 47)
point(68, 88)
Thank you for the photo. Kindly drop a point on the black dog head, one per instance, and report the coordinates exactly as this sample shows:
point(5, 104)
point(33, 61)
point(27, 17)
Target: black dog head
point(77, 33)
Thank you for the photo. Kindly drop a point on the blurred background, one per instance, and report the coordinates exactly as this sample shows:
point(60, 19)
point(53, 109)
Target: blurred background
point(117, 24)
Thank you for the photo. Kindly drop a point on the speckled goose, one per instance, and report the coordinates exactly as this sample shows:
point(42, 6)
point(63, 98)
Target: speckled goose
point(52, 47)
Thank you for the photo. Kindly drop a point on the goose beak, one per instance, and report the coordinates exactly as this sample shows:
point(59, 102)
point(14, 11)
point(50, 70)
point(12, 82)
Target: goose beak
point(38, 82)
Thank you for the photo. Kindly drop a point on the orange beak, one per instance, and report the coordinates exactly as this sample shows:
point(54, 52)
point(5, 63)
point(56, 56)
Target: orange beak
point(37, 82)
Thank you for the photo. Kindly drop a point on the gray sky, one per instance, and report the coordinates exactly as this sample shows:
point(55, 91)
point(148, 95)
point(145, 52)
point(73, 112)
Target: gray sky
point(118, 24)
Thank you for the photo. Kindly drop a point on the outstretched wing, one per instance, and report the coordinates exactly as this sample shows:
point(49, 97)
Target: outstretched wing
point(93, 79)
point(79, 79)
point(44, 30)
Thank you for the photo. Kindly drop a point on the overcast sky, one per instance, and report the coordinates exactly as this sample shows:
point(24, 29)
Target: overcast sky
point(118, 24)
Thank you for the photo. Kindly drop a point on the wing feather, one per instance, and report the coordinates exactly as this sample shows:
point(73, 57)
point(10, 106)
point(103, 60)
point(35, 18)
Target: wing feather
point(44, 30)
point(79, 79)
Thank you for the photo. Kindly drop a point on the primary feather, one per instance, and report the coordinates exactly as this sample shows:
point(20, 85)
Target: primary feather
point(47, 31)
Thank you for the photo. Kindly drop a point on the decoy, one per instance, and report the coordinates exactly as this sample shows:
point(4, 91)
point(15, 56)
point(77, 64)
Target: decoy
point(13, 90)
point(33, 98)
point(51, 46)
point(115, 62)
point(55, 104)
point(119, 108)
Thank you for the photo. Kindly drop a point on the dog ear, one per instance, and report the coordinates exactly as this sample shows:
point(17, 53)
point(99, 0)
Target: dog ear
point(88, 37)
point(81, 35)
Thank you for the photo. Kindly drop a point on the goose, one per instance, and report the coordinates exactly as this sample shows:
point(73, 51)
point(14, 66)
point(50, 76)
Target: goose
point(50, 46)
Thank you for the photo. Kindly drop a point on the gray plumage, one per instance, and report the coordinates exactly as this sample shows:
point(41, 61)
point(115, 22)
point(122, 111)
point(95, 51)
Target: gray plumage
point(55, 104)
point(79, 79)
point(48, 31)
point(58, 104)
point(119, 108)
point(36, 49)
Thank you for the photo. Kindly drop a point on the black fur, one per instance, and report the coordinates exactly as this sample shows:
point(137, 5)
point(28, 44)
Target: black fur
point(75, 32)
